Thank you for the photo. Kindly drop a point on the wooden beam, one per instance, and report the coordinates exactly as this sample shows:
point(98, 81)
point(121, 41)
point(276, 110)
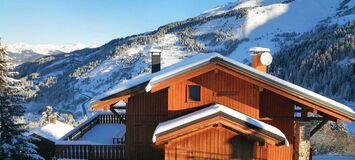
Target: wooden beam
point(319, 126)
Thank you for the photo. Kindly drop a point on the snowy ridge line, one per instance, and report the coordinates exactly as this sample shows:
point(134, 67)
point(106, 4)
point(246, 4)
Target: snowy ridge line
point(211, 110)
point(203, 59)
point(46, 49)
point(98, 113)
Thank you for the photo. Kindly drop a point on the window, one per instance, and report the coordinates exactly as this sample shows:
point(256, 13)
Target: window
point(194, 93)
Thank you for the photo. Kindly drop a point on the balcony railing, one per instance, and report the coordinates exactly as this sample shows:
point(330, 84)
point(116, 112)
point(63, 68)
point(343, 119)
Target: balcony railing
point(90, 151)
point(70, 147)
point(103, 118)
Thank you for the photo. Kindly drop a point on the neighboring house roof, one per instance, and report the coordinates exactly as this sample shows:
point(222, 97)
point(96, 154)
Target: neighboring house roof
point(51, 131)
point(216, 110)
point(147, 81)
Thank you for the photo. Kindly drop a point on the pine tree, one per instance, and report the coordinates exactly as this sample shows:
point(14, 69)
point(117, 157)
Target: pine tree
point(14, 144)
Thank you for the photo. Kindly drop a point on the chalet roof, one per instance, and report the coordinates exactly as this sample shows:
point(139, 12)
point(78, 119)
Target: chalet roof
point(147, 81)
point(188, 119)
point(51, 131)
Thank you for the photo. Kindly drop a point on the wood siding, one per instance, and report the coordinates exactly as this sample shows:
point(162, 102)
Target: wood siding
point(146, 110)
point(212, 83)
point(143, 114)
point(274, 105)
point(221, 144)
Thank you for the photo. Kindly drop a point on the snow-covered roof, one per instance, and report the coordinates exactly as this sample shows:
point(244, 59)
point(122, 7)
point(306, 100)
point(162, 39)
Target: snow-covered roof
point(212, 110)
point(154, 50)
point(53, 131)
point(259, 49)
point(186, 65)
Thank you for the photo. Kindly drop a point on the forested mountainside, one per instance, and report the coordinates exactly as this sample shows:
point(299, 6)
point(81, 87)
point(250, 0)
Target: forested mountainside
point(322, 60)
point(69, 81)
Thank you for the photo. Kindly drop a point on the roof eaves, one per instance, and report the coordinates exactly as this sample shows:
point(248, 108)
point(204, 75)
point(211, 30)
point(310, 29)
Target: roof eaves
point(135, 88)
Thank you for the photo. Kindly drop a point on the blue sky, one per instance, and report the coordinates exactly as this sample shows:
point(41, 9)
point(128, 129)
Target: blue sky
point(90, 21)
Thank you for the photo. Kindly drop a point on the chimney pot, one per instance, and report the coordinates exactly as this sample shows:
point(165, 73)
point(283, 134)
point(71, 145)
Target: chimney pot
point(261, 58)
point(52, 119)
point(156, 59)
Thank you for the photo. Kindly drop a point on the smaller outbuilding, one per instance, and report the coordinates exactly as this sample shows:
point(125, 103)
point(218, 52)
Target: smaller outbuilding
point(47, 135)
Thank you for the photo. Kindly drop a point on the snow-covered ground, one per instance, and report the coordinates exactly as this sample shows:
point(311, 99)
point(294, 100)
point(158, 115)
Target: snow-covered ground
point(333, 157)
point(104, 133)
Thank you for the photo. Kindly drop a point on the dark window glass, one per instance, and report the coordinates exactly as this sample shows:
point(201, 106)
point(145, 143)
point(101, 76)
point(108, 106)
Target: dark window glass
point(194, 93)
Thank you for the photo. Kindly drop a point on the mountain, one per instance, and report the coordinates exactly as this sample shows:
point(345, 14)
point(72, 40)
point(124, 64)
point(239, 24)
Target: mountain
point(23, 52)
point(69, 81)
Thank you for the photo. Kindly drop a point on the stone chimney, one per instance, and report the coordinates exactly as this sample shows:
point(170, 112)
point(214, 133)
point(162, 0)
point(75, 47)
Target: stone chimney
point(52, 119)
point(156, 59)
point(261, 58)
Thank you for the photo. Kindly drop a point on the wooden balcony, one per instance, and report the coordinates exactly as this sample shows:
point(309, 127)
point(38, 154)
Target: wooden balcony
point(90, 151)
point(93, 140)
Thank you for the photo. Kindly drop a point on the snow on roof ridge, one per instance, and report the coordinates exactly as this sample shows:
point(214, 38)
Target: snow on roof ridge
point(259, 49)
point(280, 82)
point(213, 109)
point(203, 58)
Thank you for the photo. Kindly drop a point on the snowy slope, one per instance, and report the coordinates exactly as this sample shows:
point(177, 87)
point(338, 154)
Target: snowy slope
point(265, 22)
point(71, 80)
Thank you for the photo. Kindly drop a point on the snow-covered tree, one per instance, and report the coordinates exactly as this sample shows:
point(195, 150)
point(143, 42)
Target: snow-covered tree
point(45, 116)
point(14, 144)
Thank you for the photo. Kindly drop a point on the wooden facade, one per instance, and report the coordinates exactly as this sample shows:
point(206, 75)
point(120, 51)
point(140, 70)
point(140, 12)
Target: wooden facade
point(146, 110)
point(219, 84)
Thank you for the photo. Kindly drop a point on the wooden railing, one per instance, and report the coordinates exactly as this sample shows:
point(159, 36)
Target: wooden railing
point(69, 147)
point(100, 119)
point(87, 151)
point(121, 140)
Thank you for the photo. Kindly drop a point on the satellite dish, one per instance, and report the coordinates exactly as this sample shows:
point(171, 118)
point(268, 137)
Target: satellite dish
point(266, 58)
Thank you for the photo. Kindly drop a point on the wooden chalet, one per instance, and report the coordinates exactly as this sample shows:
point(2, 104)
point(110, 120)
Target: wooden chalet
point(212, 107)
